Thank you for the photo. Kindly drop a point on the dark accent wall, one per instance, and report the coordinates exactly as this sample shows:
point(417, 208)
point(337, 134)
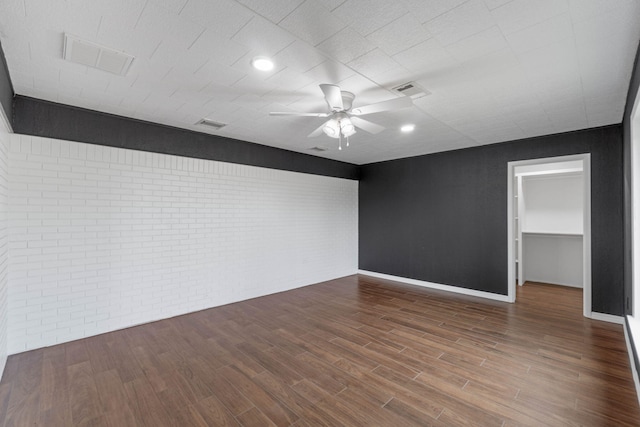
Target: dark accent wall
point(6, 88)
point(51, 120)
point(443, 217)
point(626, 138)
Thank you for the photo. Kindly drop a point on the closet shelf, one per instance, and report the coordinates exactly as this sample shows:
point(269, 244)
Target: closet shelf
point(551, 233)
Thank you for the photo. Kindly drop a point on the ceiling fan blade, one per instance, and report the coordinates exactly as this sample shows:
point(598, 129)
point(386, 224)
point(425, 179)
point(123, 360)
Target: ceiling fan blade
point(285, 113)
point(316, 132)
point(391, 104)
point(333, 96)
point(366, 125)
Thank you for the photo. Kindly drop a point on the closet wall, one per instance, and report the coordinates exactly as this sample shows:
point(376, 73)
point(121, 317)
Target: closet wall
point(551, 219)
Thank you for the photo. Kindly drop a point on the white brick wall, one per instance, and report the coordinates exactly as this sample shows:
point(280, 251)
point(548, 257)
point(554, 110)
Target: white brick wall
point(103, 238)
point(4, 155)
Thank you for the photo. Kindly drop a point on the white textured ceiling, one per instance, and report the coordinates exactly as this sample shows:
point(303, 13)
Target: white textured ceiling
point(497, 70)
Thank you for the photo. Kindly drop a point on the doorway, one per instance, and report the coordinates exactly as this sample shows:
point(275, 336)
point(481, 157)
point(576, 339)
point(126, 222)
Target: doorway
point(515, 248)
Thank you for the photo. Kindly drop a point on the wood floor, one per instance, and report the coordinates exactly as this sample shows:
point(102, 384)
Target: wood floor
point(353, 351)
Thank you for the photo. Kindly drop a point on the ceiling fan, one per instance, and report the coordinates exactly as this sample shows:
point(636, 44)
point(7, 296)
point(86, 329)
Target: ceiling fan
point(343, 120)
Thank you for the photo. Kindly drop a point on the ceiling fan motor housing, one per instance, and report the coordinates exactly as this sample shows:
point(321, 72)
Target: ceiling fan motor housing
point(347, 100)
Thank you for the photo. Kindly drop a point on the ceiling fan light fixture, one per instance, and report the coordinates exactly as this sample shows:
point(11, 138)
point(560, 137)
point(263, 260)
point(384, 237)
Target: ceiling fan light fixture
point(407, 128)
point(262, 63)
point(332, 128)
point(338, 128)
point(347, 128)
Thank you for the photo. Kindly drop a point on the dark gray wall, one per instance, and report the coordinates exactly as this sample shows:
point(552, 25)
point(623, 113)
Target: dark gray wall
point(48, 119)
point(443, 217)
point(626, 137)
point(6, 88)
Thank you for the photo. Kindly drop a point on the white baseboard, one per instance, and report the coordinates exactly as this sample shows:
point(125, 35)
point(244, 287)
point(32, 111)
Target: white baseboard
point(3, 364)
point(448, 288)
point(607, 318)
point(632, 362)
point(553, 282)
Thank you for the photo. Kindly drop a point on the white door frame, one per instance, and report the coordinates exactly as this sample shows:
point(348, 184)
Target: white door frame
point(586, 239)
point(635, 207)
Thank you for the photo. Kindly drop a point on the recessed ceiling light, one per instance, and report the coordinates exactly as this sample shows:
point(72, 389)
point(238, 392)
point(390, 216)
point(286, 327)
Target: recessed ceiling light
point(262, 63)
point(407, 128)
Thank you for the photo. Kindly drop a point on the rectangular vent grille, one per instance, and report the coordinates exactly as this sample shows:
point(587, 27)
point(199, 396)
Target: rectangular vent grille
point(93, 55)
point(411, 89)
point(211, 124)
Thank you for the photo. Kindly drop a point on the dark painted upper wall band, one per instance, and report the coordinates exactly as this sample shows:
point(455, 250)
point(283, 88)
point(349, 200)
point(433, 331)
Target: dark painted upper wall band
point(6, 88)
point(47, 119)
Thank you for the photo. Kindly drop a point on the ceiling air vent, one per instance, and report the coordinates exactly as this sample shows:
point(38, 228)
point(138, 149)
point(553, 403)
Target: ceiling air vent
point(96, 56)
point(411, 89)
point(211, 124)
point(318, 149)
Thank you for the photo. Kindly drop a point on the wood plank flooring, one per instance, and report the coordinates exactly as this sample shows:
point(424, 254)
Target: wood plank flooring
point(355, 351)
